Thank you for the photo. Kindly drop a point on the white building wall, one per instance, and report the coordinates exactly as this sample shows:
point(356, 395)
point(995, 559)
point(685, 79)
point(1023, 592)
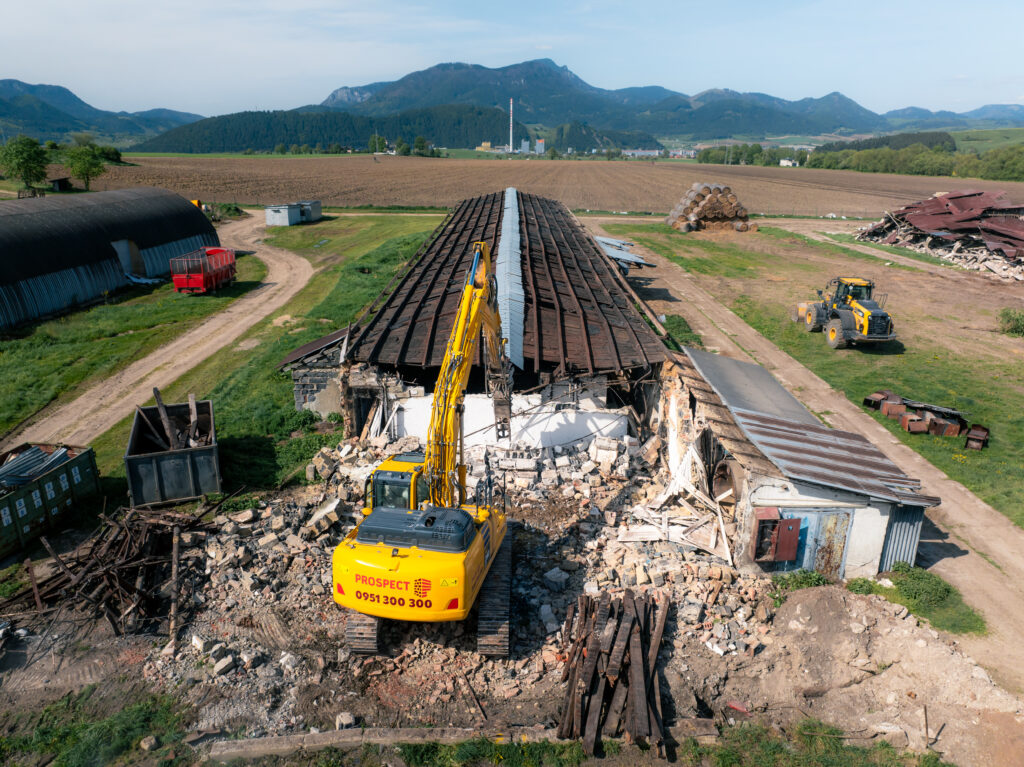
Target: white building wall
point(542, 426)
point(865, 542)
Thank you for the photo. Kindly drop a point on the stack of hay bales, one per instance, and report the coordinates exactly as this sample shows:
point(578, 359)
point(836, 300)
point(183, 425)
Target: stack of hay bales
point(709, 206)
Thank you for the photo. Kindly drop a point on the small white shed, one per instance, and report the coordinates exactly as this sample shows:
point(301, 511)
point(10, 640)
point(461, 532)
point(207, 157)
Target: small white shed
point(283, 215)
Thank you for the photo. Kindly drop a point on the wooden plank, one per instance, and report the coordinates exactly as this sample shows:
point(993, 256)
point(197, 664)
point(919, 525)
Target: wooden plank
point(154, 432)
point(638, 682)
point(172, 437)
point(593, 727)
point(175, 543)
point(35, 586)
point(615, 708)
point(593, 652)
point(621, 643)
point(193, 417)
point(60, 562)
point(658, 632)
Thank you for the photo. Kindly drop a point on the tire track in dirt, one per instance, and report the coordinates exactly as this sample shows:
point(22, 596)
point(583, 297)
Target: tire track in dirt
point(105, 403)
point(965, 541)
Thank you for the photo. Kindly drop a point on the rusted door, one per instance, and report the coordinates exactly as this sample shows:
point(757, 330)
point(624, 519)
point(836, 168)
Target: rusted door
point(831, 543)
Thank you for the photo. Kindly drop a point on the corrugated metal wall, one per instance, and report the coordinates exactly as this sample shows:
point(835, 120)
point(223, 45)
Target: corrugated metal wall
point(158, 259)
point(902, 536)
point(57, 291)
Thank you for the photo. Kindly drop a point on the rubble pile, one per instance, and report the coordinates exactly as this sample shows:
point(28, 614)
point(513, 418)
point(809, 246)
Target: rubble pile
point(982, 231)
point(709, 206)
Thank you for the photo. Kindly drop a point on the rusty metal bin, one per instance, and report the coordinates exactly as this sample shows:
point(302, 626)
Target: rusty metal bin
point(156, 475)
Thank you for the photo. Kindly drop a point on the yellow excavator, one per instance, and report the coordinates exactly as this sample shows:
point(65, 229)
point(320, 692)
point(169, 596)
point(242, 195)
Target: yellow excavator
point(421, 552)
point(850, 315)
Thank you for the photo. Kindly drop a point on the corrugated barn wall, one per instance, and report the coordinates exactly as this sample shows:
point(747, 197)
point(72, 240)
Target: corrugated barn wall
point(56, 252)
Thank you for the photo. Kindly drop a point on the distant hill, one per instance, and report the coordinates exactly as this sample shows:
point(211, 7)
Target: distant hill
point(51, 112)
point(550, 95)
point(448, 126)
point(454, 126)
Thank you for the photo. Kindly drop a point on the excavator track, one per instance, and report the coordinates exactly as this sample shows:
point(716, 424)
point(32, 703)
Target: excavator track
point(493, 633)
point(362, 633)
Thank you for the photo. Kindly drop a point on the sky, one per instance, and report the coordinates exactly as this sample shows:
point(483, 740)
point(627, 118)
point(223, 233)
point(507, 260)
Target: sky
point(221, 56)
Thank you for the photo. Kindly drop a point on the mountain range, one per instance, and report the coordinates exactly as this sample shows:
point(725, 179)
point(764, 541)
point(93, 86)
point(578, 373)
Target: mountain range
point(550, 95)
point(51, 112)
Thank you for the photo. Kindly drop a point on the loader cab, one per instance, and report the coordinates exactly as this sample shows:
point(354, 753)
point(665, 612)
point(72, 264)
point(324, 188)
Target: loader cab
point(398, 483)
point(850, 290)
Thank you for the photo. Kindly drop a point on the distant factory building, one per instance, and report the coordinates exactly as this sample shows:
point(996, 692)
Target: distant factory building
point(61, 252)
point(540, 146)
point(524, 146)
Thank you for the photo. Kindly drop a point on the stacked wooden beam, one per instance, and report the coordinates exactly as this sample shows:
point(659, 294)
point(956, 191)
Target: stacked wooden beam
point(611, 645)
point(709, 206)
point(122, 573)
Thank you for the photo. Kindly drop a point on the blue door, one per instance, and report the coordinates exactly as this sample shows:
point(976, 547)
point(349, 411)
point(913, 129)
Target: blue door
point(822, 545)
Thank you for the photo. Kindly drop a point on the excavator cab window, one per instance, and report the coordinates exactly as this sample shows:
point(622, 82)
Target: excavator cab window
point(422, 489)
point(391, 490)
point(839, 298)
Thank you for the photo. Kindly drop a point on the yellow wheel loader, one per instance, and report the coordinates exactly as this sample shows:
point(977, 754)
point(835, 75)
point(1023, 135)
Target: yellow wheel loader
point(421, 552)
point(850, 315)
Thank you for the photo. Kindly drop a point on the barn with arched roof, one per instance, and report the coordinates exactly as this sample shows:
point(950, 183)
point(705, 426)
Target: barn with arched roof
point(59, 252)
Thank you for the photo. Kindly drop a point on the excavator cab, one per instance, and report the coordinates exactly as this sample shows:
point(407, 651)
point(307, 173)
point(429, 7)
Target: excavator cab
point(398, 483)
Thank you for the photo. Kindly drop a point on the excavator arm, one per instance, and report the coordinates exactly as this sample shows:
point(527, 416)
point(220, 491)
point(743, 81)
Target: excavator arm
point(443, 467)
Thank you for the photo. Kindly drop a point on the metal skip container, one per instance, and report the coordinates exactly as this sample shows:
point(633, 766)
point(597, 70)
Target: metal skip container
point(182, 466)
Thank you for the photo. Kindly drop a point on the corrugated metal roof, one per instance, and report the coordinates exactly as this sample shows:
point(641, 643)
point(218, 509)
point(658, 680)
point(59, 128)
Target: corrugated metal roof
point(45, 235)
point(619, 250)
point(830, 458)
point(789, 435)
point(746, 386)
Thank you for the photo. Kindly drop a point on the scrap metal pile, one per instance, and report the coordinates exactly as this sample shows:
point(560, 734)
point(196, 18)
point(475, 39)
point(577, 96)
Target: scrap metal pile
point(127, 573)
point(21, 468)
point(709, 206)
point(975, 230)
point(612, 669)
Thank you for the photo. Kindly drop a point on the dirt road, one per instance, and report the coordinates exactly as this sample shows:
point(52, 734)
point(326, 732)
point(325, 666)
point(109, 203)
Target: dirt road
point(104, 404)
point(968, 543)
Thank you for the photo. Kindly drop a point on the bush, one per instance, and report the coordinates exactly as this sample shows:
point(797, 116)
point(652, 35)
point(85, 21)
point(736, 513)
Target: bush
point(109, 153)
point(793, 581)
point(1011, 321)
point(861, 586)
point(919, 586)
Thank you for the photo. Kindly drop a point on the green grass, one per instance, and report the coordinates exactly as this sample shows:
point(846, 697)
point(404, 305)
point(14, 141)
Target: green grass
point(984, 140)
point(1011, 321)
point(794, 581)
point(253, 401)
point(681, 333)
point(482, 751)
point(72, 732)
point(12, 580)
point(905, 252)
point(694, 254)
point(810, 743)
point(56, 359)
point(988, 391)
point(927, 596)
point(787, 236)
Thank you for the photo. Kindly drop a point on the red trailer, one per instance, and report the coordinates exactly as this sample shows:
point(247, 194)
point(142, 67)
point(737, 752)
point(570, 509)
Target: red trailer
point(204, 270)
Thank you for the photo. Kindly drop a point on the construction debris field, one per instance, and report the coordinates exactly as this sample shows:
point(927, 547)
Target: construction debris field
point(854, 660)
point(583, 184)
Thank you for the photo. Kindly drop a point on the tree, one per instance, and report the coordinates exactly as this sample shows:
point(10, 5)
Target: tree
point(81, 139)
point(420, 145)
point(280, 149)
point(22, 157)
point(378, 143)
point(85, 163)
point(552, 153)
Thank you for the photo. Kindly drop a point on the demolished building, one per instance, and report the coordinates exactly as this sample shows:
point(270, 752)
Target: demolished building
point(585, 360)
point(796, 494)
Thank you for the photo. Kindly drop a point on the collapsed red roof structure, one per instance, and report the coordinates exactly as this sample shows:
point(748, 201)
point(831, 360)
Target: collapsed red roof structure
point(971, 227)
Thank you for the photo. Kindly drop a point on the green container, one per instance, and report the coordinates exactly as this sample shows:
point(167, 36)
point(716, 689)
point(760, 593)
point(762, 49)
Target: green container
point(40, 505)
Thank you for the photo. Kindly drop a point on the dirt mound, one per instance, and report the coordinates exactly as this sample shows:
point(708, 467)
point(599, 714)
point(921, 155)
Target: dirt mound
point(866, 665)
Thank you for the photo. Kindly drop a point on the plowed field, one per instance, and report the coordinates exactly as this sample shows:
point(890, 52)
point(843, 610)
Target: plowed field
point(581, 184)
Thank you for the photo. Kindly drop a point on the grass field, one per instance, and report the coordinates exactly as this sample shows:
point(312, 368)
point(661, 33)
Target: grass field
point(969, 376)
point(263, 440)
point(55, 359)
point(983, 140)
